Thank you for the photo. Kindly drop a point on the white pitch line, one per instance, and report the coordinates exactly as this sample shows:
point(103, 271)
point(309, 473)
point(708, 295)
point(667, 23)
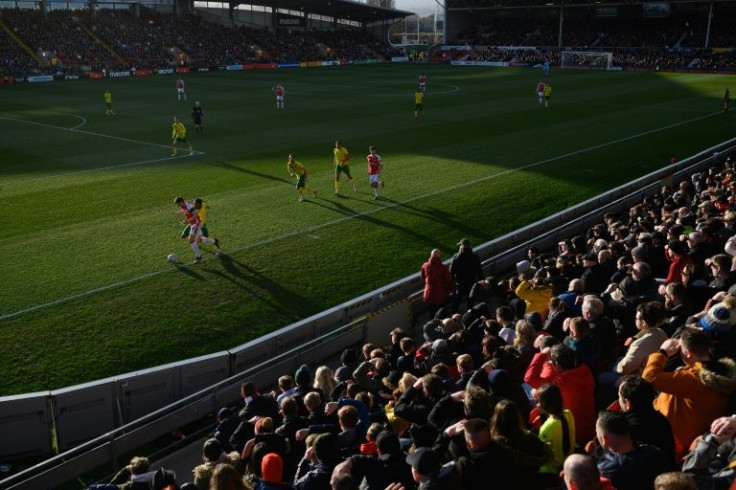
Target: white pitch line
point(311, 229)
point(74, 130)
point(96, 169)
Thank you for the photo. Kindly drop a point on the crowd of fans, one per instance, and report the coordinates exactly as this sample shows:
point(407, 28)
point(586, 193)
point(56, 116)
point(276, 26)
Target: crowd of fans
point(114, 40)
point(78, 41)
point(607, 363)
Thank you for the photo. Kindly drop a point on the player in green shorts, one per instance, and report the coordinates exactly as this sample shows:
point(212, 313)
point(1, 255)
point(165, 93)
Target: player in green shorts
point(341, 158)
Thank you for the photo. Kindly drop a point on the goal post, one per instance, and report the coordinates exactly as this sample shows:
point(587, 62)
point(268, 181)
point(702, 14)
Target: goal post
point(587, 60)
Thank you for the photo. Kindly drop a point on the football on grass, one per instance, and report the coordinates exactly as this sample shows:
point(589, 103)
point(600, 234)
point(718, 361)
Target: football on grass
point(172, 258)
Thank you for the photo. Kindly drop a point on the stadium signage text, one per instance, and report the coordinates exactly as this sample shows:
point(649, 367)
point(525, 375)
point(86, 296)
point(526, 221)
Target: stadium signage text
point(114, 74)
point(71, 77)
point(287, 21)
point(165, 71)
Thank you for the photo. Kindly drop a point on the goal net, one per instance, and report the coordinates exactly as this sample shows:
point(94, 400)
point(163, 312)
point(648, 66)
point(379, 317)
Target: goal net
point(587, 60)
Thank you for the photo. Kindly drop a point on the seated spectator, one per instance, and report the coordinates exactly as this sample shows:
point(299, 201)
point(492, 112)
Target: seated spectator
point(417, 401)
point(581, 473)
point(648, 426)
point(573, 297)
point(315, 467)
point(376, 472)
point(225, 477)
point(226, 425)
point(291, 424)
point(583, 342)
point(428, 472)
point(349, 363)
point(677, 308)
point(505, 318)
point(557, 431)
point(674, 481)
point(576, 383)
point(534, 291)
point(287, 387)
point(677, 254)
point(693, 396)
point(272, 474)
point(711, 462)
point(486, 460)
point(212, 455)
point(628, 464)
point(137, 475)
point(602, 326)
point(723, 277)
point(528, 452)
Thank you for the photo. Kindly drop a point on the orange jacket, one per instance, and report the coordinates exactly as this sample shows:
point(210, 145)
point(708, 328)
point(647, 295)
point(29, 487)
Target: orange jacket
point(691, 397)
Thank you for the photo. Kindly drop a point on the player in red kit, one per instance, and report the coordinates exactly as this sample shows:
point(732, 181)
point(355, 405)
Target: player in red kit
point(540, 92)
point(180, 89)
point(280, 92)
point(423, 82)
point(375, 167)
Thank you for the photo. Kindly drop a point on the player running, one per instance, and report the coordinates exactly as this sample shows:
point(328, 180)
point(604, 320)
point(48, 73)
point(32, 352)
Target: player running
point(375, 167)
point(418, 103)
point(540, 92)
point(547, 94)
point(298, 170)
point(180, 89)
point(341, 158)
point(179, 135)
point(545, 68)
point(108, 103)
point(197, 115)
point(423, 82)
point(280, 92)
point(194, 222)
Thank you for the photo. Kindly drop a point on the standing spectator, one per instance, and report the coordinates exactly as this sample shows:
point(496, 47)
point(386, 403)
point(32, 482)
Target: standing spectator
point(693, 396)
point(256, 405)
point(437, 282)
point(466, 270)
point(629, 465)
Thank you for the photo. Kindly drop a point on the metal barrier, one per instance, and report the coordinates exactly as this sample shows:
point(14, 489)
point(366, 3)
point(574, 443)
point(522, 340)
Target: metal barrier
point(124, 412)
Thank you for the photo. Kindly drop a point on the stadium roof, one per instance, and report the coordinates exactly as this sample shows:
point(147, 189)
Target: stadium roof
point(340, 9)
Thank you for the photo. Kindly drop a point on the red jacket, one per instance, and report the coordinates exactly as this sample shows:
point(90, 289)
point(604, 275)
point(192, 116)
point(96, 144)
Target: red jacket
point(578, 392)
point(437, 281)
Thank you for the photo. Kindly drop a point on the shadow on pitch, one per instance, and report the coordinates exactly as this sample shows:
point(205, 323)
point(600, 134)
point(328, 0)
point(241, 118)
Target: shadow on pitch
point(252, 172)
point(255, 283)
point(341, 208)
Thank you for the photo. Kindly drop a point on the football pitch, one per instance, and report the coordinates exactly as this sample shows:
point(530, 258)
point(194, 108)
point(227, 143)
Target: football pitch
point(87, 292)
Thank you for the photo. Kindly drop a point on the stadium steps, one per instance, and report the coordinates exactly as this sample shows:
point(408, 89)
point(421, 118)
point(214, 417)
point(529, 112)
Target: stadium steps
point(20, 43)
point(102, 43)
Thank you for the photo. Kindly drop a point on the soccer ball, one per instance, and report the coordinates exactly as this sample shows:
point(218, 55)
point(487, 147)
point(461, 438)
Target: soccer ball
point(172, 258)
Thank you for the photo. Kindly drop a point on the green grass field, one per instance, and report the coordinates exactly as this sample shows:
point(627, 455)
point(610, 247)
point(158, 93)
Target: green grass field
point(86, 291)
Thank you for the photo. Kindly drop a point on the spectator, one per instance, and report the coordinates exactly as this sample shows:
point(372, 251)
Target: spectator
point(528, 452)
point(674, 481)
point(315, 468)
point(694, 395)
point(486, 460)
point(581, 473)
point(135, 476)
point(427, 471)
point(583, 342)
point(256, 405)
point(225, 477)
point(595, 278)
point(212, 455)
point(715, 448)
point(558, 432)
point(226, 425)
point(466, 270)
point(629, 465)
point(677, 254)
point(648, 426)
point(377, 472)
point(272, 474)
point(437, 282)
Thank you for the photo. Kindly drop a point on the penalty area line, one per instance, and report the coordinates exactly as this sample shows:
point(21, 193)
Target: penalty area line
point(310, 230)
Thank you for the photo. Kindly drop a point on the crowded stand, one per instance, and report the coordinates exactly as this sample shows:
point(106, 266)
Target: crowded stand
point(607, 363)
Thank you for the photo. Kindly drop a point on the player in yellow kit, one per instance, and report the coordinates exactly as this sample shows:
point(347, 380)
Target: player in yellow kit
point(298, 170)
point(547, 94)
point(179, 135)
point(418, 103)
point(341, 158)
point(108, 103)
